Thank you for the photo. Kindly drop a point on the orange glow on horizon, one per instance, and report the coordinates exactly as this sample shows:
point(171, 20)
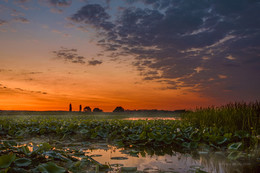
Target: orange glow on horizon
point(103, 87)
point(135, 100)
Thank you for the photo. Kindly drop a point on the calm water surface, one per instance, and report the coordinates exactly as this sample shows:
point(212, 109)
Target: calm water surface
point(210, 162)
point(175, 162)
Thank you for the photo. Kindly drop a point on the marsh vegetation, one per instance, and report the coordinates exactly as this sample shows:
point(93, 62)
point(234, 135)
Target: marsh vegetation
point(64, 143)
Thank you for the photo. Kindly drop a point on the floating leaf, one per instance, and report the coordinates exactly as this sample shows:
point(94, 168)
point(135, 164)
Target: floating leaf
point(119, 158)
point(150, 170)
point(116, 165)
point(200, 171)
point(203, 152)
point(6, 160)
point(22, 162)
point(235, 146)
point(134, 137)
point(160, 137)
point(188, 129)
point(83, 131)
point(96, 155)
point(55, 155)
point(196, 167)
point(20, 170)
point(129, 169)
point(221, 140)
point(185, 145)
point(133, 152)
point(50, 167)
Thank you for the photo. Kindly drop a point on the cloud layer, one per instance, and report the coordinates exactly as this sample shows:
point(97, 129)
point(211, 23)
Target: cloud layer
point(71, 55)
point(2, 22)
point(21, 20)
point(210, 47)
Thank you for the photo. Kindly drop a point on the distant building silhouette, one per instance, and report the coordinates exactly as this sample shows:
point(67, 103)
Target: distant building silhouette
point(80, 108)
point(119, 109)
point(87, 109)
point(70, 109)
point(97, 110)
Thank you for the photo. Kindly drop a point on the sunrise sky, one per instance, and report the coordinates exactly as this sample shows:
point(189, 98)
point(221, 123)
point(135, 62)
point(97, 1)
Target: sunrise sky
point(138, 54)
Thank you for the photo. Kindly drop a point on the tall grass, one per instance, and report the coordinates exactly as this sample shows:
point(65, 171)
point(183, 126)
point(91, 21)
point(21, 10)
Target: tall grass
point(231, 117)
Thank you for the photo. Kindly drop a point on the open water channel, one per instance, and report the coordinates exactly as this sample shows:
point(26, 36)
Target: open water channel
point(131, 161)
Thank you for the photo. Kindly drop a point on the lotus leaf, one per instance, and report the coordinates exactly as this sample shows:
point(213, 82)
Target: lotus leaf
point(22, 162)
point(235, 146)
point(119, 158)
point(50, 167)
point(6, 160)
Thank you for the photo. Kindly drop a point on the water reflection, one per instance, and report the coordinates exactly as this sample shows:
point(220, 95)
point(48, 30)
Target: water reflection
point(218, 162)
point(174, 162)
point(163, 159)
point(143, 162)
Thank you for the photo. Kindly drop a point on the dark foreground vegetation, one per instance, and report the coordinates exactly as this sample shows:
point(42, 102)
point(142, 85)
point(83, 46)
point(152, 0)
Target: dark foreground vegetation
point(233, 128)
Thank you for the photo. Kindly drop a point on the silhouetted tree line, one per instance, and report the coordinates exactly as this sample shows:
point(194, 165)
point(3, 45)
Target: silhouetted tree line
point(88, 109)
point(121, 109)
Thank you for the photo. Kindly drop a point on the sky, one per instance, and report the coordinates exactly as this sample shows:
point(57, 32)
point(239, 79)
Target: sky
point(138, 54)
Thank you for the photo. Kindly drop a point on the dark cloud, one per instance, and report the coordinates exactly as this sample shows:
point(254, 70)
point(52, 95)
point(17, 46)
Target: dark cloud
point(8, 90)
point(21, 19)
point(210, 46)
point(69, 55)
point(39, 92)
point(2, 22)
point(22, 1)
point(30, 91)
point(59, 3)
point(94, 62)
point(5, 70)
point(93, 14)
point(35, 72)
point(19, 89)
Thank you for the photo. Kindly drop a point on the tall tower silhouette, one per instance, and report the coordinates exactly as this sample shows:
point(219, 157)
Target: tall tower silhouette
point(70, 107)
point(80, 108)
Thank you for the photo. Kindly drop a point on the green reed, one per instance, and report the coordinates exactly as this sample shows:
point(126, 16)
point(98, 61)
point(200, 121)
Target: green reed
point(230, 117)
